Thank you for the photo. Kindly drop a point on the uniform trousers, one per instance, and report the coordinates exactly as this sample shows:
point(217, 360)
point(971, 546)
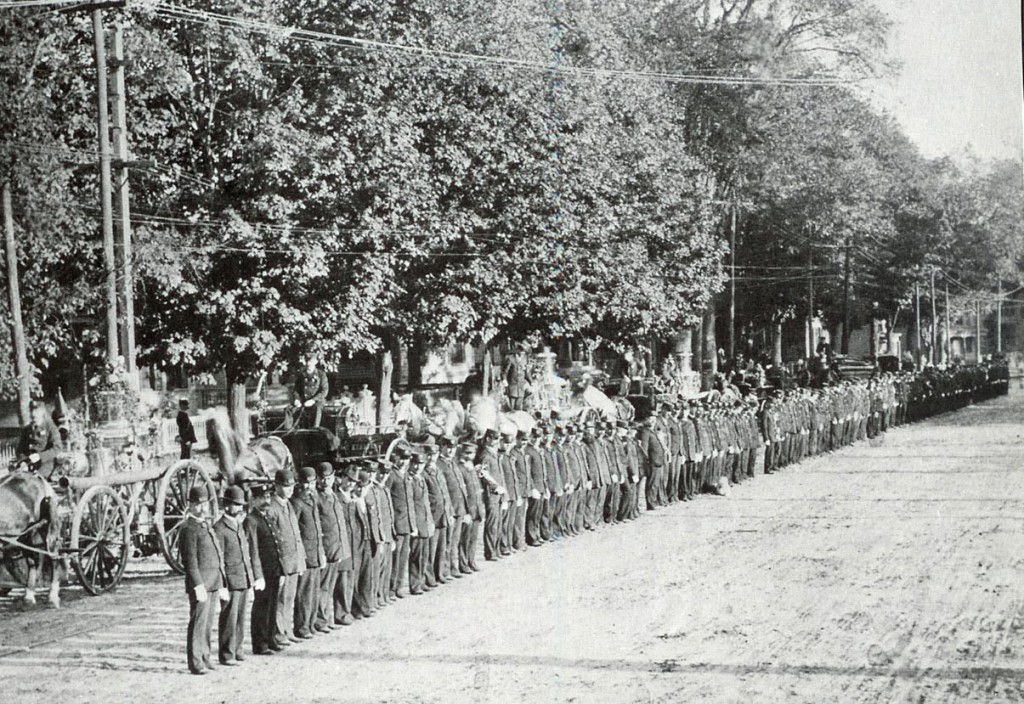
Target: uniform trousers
point(200, 628)
point(672, 480)
point(231, 630)
point(492, 526)
point(264, 615)
point(342, 598)
point(733, 461)
point(361, 584)
point(329, 574)
point(307, 601)
point(547, 531)
point(438, 554)
point(570, 507)
point(583, 501)
point(454, 540)
point(634, 504)
point(284, 612)
point(651, 490)
point(467, 546)
point(419, 559)
point(534, 519)
point(400, 565)
point(508, 523)
point(383, 563)
point(611, 503)
point(519, 535)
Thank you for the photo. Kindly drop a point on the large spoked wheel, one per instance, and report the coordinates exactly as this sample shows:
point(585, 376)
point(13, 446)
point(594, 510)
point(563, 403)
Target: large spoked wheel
point(171, 505)
point(100, 537)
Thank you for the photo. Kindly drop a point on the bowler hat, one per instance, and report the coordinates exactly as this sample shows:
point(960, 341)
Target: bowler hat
point(234, 495)
point(284, 477)
point(307, 474)
point(198, 494)
point(324, 469)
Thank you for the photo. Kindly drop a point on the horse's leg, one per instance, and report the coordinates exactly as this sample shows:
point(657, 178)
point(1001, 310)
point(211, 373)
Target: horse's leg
point(54, 596)
point(30, 584)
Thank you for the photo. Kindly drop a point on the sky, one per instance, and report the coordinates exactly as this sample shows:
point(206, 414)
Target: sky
point(959, 89)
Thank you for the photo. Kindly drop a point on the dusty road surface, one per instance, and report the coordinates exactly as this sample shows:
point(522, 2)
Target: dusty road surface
point(888, 572)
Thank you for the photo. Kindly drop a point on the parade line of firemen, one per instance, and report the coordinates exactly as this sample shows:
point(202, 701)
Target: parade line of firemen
point(337, 543)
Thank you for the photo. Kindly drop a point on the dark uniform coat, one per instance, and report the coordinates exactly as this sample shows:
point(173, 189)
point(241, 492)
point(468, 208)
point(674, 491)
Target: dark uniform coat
point(239, 572)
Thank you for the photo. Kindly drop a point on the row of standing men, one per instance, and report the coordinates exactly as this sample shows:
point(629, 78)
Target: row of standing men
point(338, 543)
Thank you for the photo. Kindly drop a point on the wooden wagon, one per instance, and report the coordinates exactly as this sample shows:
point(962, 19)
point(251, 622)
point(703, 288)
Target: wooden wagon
point(108, 517)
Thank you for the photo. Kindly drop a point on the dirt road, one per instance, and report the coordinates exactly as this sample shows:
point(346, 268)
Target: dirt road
point(888, 572)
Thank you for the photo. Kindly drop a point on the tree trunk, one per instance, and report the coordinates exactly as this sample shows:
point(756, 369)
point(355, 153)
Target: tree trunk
point(415, 359)
point(386, 368)
point(238, 411)
point(485, 387)
point(777, 345)
point(681, 347)
point(18, 345)
point(847, 314)
point(710, 350)
point(698, 348)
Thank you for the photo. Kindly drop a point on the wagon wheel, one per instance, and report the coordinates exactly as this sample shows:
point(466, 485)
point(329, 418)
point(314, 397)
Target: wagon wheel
point(100, 537)
point(172, 502)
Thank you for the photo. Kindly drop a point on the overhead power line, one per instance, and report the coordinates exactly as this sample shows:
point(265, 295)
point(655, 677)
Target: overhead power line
point(179, 12)
point(16, 4)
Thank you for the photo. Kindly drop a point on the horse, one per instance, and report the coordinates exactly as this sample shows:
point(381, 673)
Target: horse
point(29, 527)
point(240, 462)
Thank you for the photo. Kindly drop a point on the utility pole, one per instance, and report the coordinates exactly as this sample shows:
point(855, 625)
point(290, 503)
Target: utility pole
point(106, 207)
point(118, 102)
point(14, 298)
point(917, 325)
point(732, 288)
point(934, 335)
point(977, 330)
point(999, 318)
point(947, 356)
point(847, 312)
point(810, 303)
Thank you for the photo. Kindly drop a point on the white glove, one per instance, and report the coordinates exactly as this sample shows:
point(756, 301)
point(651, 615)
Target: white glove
point(34, 458)
point(415, 533)
point(504, 505)
point(519, 502)
point(467, 519)
point(224, 594)
point(534, 494)
point(547, 494)
point(200, 592)
point(309, 403)
point(298, 403)
point(636, 479)
point(615, 479)
point(590, 485)
point(260, 585)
